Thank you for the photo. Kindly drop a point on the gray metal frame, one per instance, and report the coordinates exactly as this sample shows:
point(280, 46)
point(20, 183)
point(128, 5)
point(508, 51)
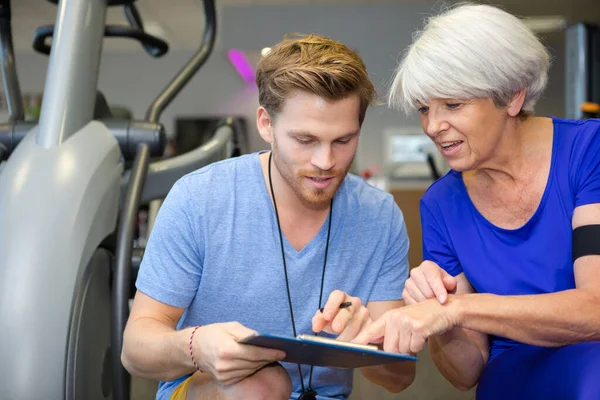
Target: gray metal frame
point(60, 194)
point(577, 70)
point(163, 174)
point(56, 207)
point(70, 92)
point(9, 71)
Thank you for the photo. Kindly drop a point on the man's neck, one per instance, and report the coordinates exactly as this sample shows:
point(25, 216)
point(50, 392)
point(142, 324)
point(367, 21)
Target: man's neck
point(299, 223)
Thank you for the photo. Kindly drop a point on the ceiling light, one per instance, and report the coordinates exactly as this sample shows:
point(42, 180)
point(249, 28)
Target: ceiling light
point(242, 65)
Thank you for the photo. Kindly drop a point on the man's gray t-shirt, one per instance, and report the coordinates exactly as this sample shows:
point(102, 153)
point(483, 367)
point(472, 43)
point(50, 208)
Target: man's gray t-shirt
point(215, 250)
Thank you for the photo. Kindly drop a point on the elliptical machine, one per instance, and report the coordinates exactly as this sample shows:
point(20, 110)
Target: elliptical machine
point(69, 194)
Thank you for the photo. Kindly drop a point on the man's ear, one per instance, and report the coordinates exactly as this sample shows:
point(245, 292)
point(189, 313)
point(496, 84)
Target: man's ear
point(516, 103)
point(264, 124)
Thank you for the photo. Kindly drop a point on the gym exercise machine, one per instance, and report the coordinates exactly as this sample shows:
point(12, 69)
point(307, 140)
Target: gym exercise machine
point(70, 188)
point(582, 71)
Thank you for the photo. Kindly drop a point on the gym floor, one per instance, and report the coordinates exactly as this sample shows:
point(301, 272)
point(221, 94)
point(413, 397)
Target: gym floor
point(429, 385)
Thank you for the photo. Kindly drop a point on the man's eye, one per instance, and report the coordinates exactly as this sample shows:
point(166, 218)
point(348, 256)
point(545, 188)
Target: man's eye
point(304, 141)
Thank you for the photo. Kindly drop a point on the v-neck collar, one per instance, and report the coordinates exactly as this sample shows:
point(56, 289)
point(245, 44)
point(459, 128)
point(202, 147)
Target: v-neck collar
point(316, 241)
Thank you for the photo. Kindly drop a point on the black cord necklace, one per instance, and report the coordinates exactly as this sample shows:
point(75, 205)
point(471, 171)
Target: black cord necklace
point(310, 394)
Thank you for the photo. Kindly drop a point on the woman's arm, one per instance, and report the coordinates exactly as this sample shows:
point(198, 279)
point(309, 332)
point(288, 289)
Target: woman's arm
point(553, 319)
point(460, 354)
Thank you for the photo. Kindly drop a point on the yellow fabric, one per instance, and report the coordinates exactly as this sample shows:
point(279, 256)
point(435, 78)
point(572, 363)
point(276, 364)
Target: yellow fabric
point(180, 392)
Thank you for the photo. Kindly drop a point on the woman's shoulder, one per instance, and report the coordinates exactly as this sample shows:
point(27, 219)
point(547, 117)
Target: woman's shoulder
point(576, 130)
point(448, 188)
point(576, 140)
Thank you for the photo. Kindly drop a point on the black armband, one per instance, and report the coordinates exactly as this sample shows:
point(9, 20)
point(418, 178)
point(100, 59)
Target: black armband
point(586, 241)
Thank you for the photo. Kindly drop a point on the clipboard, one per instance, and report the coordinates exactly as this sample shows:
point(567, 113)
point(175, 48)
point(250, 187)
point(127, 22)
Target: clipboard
point(326, 352)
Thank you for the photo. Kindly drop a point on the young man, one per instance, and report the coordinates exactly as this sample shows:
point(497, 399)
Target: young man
point(260, 242)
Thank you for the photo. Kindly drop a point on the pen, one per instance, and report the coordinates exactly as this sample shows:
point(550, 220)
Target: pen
point(343, 305)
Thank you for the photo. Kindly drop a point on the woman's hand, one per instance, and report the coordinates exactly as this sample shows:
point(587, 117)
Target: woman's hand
point(428, 281)
point(406, 329)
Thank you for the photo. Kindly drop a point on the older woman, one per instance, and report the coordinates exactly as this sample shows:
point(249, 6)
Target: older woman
point(508, 294)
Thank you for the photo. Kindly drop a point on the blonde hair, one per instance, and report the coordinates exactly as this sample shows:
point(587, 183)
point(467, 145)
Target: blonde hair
point(315, 64)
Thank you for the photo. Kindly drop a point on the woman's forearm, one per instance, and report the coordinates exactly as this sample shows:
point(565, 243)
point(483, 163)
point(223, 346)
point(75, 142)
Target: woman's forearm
point(543, 320)
point(460, 356)
point(394, 377)
point(552, 320)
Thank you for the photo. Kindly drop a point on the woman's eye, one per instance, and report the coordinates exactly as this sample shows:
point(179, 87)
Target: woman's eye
point(423, 109)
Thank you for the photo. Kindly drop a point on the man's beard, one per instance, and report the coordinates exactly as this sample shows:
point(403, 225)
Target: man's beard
point(310, 196)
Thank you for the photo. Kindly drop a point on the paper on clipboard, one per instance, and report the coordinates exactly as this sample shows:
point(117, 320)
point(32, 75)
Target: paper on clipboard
point(326, 352)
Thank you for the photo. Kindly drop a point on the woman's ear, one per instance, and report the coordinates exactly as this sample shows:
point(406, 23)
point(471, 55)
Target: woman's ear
point(264, 124)
point(516, 103)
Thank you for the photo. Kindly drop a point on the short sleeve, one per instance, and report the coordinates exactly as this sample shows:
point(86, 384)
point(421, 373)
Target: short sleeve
point(394, 271)
point(435, 245)
point(171, 267)
point(587, 179)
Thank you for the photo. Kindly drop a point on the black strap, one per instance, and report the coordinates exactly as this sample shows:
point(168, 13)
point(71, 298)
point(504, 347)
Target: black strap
point(586, 241)
point(310, 394)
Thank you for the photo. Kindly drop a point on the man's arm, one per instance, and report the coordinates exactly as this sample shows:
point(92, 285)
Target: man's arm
point(394, 272)
point(152, 348)
point(170, 273)
point(394, 377)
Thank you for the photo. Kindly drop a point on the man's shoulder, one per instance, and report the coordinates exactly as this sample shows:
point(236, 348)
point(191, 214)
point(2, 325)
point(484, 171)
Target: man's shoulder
point(365, 197)
point(211, 187)
point(223, 173)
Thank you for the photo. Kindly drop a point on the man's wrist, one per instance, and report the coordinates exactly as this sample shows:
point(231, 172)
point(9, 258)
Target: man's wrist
point(192, 355)
point(189, 346)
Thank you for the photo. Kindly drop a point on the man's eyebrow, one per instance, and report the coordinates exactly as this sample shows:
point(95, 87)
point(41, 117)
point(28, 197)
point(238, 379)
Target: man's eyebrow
point(308, 135)
point(304, 134)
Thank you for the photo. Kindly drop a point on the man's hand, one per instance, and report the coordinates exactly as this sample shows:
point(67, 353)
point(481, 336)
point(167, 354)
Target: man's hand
point(218, 353)
point(405, 330)
point(344, 322)
point(428, 281)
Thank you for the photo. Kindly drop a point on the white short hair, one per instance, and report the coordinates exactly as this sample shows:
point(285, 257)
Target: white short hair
point(471, 51)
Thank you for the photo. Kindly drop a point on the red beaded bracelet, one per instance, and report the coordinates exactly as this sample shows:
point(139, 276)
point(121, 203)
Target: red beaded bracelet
point(191, 352)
